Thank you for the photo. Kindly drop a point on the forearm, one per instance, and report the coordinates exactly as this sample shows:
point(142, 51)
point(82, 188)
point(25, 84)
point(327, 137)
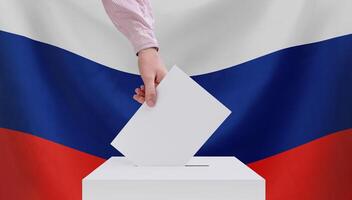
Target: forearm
point(134, 19)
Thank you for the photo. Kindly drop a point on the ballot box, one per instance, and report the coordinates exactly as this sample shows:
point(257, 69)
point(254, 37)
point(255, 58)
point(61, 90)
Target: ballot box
point(202, 178)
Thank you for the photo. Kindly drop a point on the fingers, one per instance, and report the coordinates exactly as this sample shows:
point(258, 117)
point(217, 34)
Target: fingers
point(150, 91)
point(140, 92)
point(139, 99)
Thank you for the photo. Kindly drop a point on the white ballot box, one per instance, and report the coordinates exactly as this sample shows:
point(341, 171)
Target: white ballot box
point(203, 178)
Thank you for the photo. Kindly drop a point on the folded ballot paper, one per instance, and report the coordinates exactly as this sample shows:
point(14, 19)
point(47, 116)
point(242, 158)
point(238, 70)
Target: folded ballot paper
point(171, 132)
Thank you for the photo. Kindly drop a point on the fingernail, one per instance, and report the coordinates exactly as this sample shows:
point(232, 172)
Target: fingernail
point(150, 103)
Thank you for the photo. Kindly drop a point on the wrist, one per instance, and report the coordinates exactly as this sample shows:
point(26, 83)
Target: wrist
point(149, 50)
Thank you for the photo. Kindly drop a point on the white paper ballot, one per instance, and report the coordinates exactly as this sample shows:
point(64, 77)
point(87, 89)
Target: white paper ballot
point(171, 132)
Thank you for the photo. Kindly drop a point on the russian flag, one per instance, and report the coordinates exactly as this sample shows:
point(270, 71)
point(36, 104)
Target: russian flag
point(283, 67)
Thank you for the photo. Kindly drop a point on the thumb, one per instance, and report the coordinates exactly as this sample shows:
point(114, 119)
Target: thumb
point(150, 92)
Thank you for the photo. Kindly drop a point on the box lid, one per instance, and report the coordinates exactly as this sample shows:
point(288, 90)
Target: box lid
point(198, 168)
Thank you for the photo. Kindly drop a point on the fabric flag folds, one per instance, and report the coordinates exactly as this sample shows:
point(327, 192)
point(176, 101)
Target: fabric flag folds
point(283, 67)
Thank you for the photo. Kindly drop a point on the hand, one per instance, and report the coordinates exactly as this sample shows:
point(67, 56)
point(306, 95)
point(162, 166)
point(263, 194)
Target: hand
point(152, 71)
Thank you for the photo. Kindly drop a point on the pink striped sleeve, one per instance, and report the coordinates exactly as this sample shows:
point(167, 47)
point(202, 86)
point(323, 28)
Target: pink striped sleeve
point(135, 20)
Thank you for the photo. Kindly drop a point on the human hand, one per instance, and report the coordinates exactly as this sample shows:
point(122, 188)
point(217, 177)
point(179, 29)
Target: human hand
point(152, 71)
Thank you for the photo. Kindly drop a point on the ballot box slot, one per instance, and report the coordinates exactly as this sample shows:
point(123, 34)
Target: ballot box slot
point(196, 165)
point(200, 165)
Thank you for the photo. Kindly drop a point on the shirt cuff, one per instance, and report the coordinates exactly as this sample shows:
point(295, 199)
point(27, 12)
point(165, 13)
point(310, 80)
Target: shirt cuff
point(142, 39)
point(145, 46)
